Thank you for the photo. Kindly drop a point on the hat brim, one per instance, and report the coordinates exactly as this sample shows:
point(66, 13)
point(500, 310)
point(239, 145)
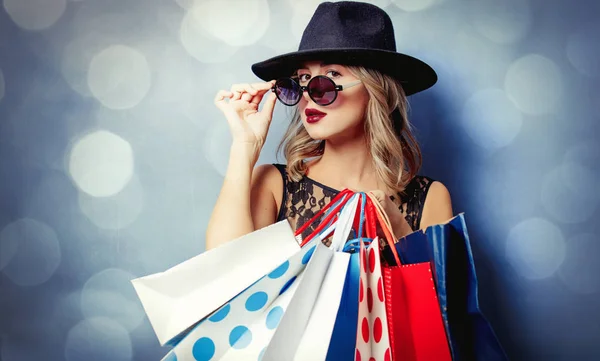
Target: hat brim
point(414, 74)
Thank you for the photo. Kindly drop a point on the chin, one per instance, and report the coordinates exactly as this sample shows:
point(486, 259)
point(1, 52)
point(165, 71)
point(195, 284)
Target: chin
point(318, 135)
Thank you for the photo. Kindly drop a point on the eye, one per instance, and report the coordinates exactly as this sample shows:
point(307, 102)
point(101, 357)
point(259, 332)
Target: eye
point(334, 74)
point(302, 77)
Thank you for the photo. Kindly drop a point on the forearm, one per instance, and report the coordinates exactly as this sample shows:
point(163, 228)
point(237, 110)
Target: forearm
point(231, 217)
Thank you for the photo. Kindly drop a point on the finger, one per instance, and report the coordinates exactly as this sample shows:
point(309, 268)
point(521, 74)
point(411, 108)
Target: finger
point(246, 97)
point(259, 96)
point(243, 88)
point(269, 105)
point(263, 85)
point(220, 97)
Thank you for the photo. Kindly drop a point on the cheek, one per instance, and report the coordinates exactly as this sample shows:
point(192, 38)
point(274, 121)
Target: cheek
point(353, 110)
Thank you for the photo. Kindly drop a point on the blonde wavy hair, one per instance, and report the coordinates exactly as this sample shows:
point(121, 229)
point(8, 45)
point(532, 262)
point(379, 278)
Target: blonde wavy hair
point(396, 153)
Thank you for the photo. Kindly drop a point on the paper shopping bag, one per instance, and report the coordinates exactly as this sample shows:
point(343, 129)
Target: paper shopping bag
point(447, 247)
point(176, 299)
point(342, 345)
point(372, 337)
point(304, 328)
point(313, 345)
point(416, 328)
point(240, 329)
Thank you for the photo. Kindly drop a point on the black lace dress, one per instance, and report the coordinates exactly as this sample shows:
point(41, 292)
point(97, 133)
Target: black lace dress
point(303, 199)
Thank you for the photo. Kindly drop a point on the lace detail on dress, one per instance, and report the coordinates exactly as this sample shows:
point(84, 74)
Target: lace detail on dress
point(303, 199)
point(411, 201)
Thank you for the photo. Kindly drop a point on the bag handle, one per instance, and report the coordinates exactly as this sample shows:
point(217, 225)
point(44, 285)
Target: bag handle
point(344, 223)
point(337, 202)
point(375, 212)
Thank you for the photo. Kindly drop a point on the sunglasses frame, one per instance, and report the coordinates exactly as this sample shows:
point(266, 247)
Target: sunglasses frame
point(304, 88)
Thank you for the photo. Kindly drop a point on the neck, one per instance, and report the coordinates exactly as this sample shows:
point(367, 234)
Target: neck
point(346, 164)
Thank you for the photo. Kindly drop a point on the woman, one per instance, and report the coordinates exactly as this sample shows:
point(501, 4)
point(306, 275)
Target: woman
point(349, 130)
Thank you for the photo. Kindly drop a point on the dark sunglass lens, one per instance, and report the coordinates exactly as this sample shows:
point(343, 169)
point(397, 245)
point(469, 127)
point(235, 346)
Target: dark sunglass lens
point(288, 91)
point(322, 90)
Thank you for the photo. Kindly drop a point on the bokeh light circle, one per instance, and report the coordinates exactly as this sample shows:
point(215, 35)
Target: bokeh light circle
point(581, 270)
point(583, 50)
point(29, 252)
point(502, 22)
point(491, 119)
point(415, 5)
point(535, 248)
point(98, 338)
point(587, 154)
point(237, 23)
point(119, 77)
point(35, 14)
point(185, 4)
point(109, 294)
point(117, 211)
point(198, 42)
point(566, 193)
point(534, 84)
point(101, 163)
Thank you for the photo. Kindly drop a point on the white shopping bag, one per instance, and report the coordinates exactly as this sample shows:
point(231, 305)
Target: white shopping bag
point(176, 299)
point(307, 325)
point(241, 328)
point(314, 344)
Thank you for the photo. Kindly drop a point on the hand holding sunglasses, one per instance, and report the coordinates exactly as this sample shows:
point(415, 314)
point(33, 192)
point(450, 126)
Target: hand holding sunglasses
point(247, 124)
point(321, 89)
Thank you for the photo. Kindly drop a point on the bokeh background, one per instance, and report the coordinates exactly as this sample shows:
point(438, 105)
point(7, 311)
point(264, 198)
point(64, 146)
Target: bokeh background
point(112, 154)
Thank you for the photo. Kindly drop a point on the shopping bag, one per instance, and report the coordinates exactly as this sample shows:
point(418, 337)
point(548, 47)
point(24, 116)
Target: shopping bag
point(325, 216)
point(447, 246)
point(313, 345)
point(415, 322)
point(342, 345)
point(304, 327)
point(176, 299)
point(373, 337)
point(241, 328)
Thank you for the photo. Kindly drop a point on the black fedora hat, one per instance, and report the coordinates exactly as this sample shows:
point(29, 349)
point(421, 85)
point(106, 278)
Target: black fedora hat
point(351, 33)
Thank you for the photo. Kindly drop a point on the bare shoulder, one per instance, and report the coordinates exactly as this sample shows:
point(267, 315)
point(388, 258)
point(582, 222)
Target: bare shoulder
point(438, 205)
point(267, 188)
point(267, 175)
point(266, 172)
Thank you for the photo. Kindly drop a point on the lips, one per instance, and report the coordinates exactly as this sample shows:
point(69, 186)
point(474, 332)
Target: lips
point(313, 115)
point(313, 112)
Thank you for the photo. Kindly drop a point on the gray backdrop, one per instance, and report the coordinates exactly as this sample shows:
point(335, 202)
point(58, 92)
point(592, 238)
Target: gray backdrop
point(112, 154)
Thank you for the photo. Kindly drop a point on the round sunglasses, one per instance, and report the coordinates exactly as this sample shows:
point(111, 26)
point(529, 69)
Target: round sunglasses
point(321, 89)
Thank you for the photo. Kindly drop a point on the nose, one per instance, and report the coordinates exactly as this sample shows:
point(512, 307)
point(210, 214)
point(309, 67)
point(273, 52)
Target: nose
point(306, 96)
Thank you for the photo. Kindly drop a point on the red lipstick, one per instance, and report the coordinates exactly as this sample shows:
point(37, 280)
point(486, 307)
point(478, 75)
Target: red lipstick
point(313, 115)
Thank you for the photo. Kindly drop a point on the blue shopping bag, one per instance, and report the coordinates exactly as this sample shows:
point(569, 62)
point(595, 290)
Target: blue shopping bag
point(342, 344)
point(448, 248)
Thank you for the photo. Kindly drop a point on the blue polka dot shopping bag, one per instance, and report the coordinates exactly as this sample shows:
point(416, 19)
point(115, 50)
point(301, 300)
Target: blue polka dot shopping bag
point(288, 314)
point(178, 298)
point(307, 326)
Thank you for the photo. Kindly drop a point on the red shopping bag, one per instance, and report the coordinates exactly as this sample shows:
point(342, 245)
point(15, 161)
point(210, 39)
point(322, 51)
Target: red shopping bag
point(414, 317)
